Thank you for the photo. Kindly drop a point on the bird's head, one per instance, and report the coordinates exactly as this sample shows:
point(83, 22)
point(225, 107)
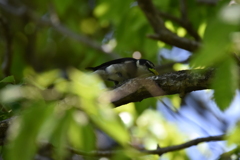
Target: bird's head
point(145, 66)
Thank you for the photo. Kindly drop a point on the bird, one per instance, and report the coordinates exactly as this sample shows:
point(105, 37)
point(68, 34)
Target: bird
point(123, 69)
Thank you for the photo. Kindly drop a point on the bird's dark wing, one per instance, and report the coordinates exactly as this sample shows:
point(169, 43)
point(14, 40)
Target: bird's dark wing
point(105, 65)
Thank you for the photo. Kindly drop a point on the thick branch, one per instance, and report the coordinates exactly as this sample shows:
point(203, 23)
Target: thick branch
point(161, 32)
point(180, 82)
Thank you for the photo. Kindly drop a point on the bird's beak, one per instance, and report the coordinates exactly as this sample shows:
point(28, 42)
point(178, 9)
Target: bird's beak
point(153, 71)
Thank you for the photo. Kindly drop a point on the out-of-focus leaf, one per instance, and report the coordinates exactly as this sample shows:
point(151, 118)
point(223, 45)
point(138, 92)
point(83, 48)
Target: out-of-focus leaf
point(11, 93)
point(233, 137)
point(127, 113)
point(170, 26)
point(45, 79)
point(153, 130)
point(62, 6)
point(201, 29)
point(59, 137)
point(24, 131)
point(232, 154)
point(119, 7)
point(89, 88)
point(163, 5)
point(225, 82)
point(216, 41)
point(80, 133)
point(9, 79)
point(101, 9)
point(18, 63)
point(89, 26)
point(145, 104)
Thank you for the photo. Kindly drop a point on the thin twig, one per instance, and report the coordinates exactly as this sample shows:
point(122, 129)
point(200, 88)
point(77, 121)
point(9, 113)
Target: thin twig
point(191, 31)
point(188, 144)
point(158, 151)
point(161, 32)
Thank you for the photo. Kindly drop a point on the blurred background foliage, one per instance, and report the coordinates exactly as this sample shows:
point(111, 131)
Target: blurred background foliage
point(45, 47)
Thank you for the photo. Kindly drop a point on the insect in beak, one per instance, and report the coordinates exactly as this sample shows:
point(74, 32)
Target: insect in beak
point(153, 71)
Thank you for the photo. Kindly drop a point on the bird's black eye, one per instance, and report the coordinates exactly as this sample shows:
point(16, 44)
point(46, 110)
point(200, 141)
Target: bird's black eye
point(146, 63)
point(149, 64)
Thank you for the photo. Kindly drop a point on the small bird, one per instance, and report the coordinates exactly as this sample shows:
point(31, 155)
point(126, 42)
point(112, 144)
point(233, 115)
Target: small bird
point(120, 70)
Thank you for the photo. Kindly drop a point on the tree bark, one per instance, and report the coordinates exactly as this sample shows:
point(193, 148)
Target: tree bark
point(180, 82)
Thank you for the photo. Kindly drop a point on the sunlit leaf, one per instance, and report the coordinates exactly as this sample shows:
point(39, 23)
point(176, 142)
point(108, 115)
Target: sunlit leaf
point(181, 32)
point(201, 29)
point(101, 9)
point(153, 130)
point(170, 26)
point(127, 113)
point(176, 100)
point(11, 93)
point(45, 79)
point(80, 133)
point(89, 26)
point(89, 88)
point(233, 137)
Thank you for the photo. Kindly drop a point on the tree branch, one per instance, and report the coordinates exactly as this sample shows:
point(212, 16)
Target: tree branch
point(185, 24)
point(159, 151)
point(194, 142)
point(161, 32)
point(191, 31)
point(5, 124)
point(180, 82)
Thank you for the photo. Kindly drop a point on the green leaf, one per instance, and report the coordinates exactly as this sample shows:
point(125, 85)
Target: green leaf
point(225, 82)
point(154, 129)
point(233, 137)
point(145, 104)
point(81, 134)
point(59, 137)
point(95, 102)
point(24, 130)
point(9, 79)
point(216, 41)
